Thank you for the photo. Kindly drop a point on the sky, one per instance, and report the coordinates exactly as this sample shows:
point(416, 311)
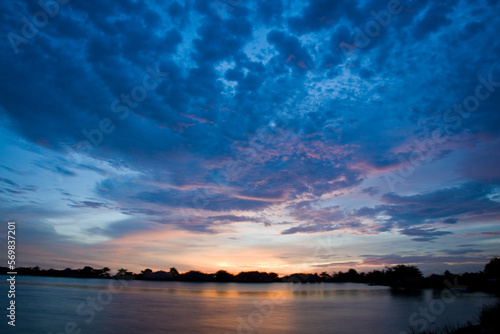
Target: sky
point(285, 136)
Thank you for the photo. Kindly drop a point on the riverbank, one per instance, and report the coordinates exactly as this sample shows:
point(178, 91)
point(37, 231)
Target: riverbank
point(488, 323)
point(401, 277)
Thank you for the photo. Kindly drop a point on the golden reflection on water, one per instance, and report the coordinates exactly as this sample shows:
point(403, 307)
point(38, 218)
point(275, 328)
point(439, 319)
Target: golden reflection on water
point(233, 290)
point(259, 308)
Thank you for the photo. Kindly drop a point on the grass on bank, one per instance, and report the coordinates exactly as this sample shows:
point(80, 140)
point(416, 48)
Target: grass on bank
point(488, 323)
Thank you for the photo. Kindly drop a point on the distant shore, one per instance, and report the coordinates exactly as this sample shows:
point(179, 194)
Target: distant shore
point(403, 277)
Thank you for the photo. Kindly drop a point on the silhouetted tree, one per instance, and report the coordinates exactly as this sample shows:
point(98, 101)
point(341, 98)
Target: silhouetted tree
point(325, 276)
point(174, 272)
point(146, 271)
point(195, 275)
point(301, 278)
point(158, 276)
point(86, 271)
point(275, 276)
point(492, 269)
point(375, 277)
point(124, 274)
point(404, 276)
point(223, 276)
point(255, 276)
point(352, 275)
point(105, 271)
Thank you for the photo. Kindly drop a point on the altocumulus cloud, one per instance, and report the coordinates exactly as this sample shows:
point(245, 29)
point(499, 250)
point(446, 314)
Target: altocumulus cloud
point(261, 118)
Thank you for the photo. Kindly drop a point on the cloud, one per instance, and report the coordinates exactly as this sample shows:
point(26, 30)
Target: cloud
point(257, 112)
point(14, 188)
point(337, 264)
point(393, 259)
point(234, 219)
point(319, 15)
point(424, 234)
point(291, 51)
point(450, 221)
point(306, 228)
point(492, 233)
point(321, 227)
point(371, 191)
point(88, 204)
point(434, 18)
point(469, 200)
point(121, 229)
point(462, 251)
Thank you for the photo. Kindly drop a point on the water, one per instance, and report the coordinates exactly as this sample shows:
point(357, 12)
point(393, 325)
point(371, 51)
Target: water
point(72, 305)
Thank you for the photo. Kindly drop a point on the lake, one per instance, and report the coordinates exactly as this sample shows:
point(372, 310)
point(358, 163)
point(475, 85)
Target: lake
point(73, 305)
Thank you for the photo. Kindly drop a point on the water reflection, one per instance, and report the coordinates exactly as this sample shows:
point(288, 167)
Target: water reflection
point(48, 304)
point(407, 293)
point(226, 290)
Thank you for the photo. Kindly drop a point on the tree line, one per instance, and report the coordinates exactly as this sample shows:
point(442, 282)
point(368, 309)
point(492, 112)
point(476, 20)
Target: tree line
point(399, 276)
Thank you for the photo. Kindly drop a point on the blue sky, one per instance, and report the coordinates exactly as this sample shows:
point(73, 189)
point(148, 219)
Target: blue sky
point(251, 135)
